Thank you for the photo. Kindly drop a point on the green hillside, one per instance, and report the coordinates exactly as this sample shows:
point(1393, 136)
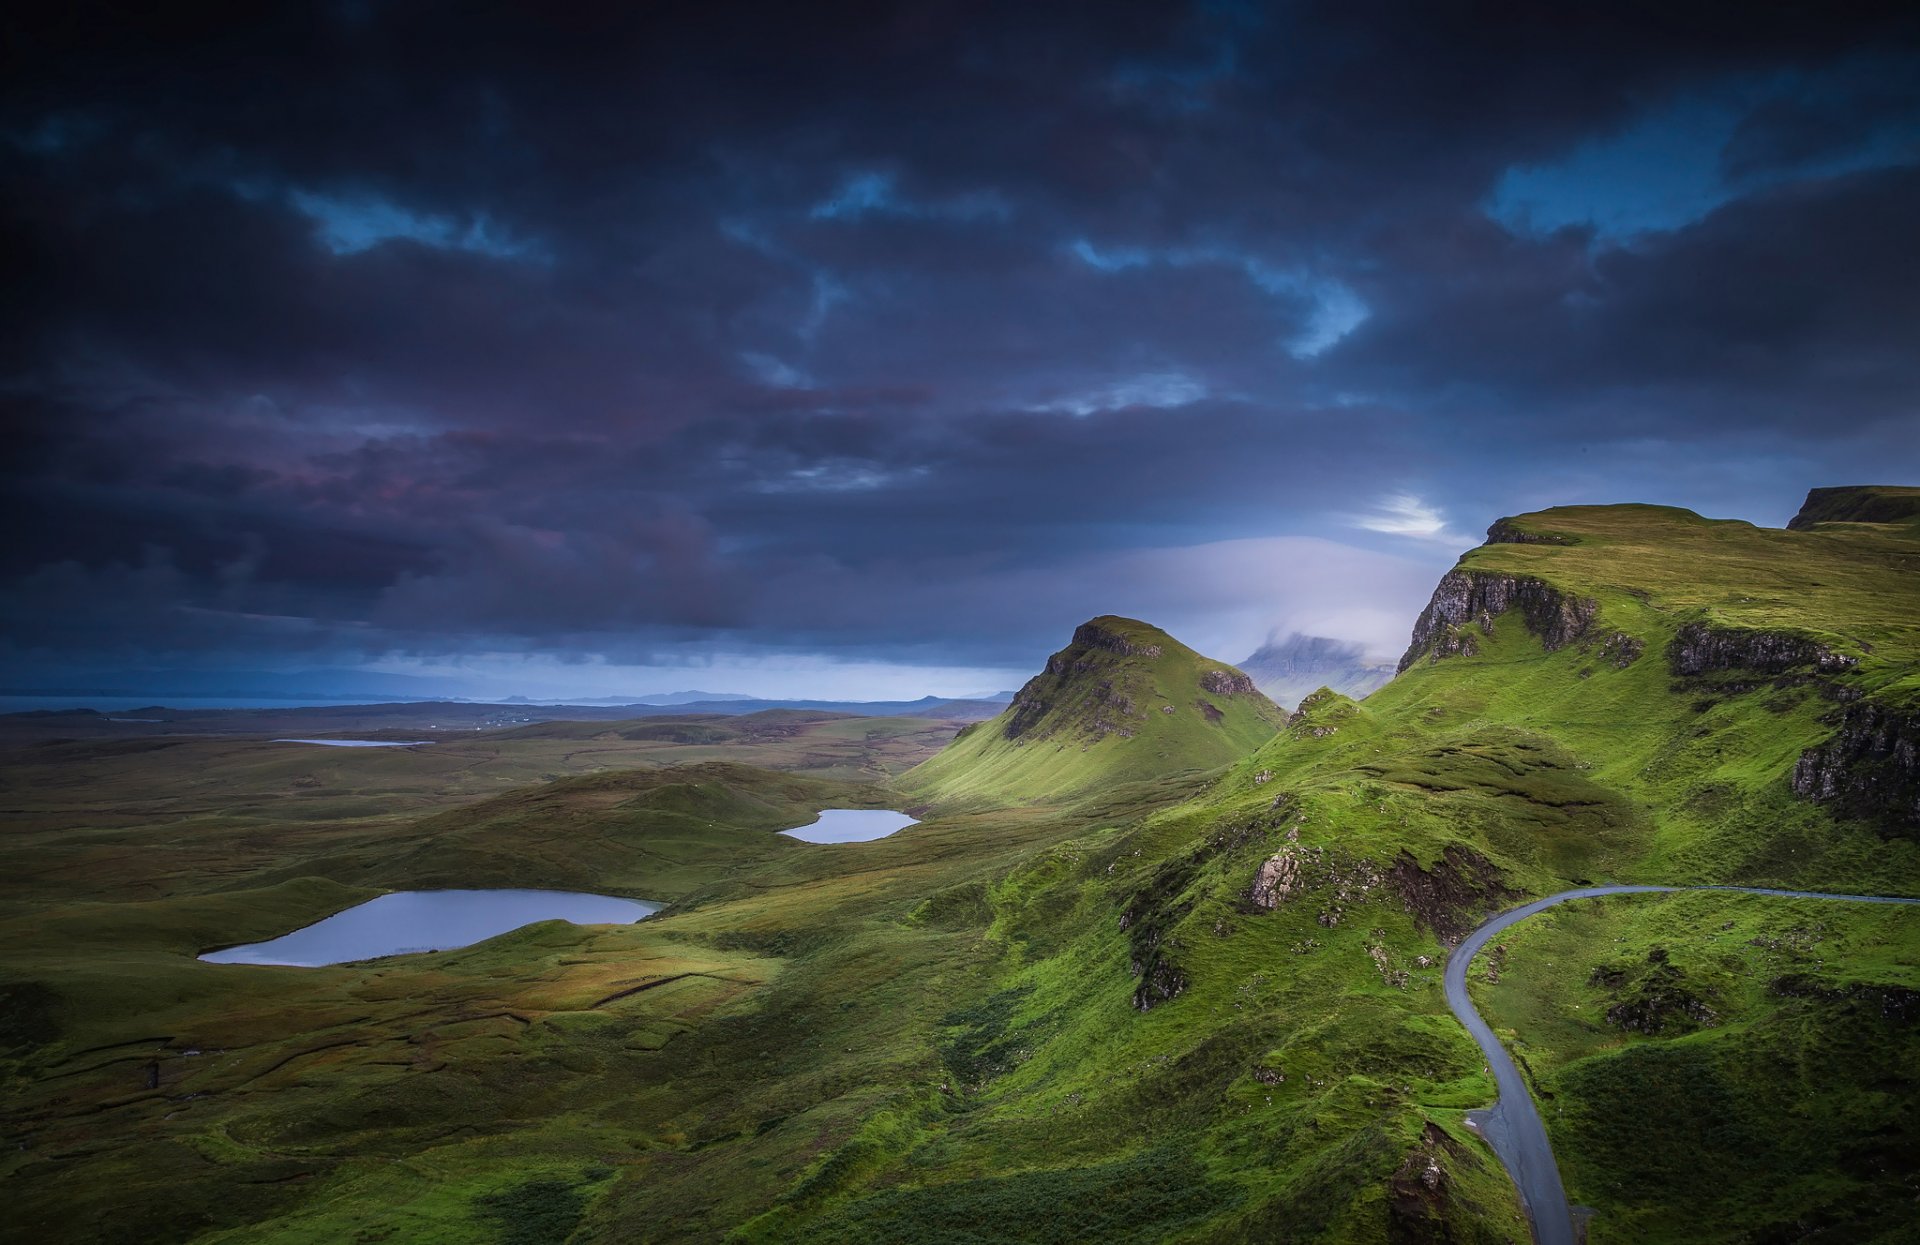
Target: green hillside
point(1124, 702)
point(1626, 693)
point(1138, 975)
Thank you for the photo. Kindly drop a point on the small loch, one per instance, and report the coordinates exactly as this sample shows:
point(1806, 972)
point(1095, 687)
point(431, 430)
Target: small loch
point(411, 921)
point(851, 825)
point(357, 743)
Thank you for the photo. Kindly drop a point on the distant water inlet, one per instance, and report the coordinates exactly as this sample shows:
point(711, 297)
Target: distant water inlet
point(851, 825)
point(412, 921)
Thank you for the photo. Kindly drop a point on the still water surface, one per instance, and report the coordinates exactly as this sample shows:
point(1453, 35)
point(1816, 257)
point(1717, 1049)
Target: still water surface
point(340, 743)
point(851, 825)
point(408, 921)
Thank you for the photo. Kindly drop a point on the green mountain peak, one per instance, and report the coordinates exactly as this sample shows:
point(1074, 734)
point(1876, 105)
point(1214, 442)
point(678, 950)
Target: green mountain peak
point(1124, 701)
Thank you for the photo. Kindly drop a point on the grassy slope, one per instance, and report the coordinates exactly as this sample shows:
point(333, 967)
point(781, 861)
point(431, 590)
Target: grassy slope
point(1101, 715)
point(937, 1037)
point(1787, 1105)
point(1555, 768)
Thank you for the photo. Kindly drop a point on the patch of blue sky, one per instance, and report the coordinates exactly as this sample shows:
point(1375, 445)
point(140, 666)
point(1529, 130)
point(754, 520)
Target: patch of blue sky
point(775, 373)
point(1156, 390)
point(1334, 309)
point(874, 193)
point(350, 224)
point(1668, 168)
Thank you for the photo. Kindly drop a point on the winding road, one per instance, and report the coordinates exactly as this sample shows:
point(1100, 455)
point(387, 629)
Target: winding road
point(1512, 1125)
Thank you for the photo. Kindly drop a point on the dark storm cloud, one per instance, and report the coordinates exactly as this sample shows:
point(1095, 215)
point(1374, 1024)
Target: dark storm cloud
point(899, 330)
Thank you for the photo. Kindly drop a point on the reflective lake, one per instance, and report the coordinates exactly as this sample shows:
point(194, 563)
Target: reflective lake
point(851, 825)
point(408, 921)
point(347, 743)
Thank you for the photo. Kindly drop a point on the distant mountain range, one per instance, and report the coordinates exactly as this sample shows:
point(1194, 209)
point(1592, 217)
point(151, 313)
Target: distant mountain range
point(925, 707)
point(333, 687)
point(644, 698)
point(1291, 669)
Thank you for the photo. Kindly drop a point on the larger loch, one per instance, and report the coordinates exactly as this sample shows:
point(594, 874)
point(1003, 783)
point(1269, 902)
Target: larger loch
point(413, 921)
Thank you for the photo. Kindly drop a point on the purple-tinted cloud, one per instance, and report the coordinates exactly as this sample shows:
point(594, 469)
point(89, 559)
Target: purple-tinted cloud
point(909, 332)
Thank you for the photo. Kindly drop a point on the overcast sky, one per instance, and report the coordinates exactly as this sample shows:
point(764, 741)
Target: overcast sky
point(863, 350)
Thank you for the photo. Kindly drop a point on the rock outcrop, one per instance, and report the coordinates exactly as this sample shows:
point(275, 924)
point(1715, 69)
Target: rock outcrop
point(1657, 997)
point(1857, 503)
point(1449, 899)
point(1869, 769)
point(1508, 532)
point(1276, 880)
point(1470, 596)
point(1423, 1204)
point(1700, 649)
point(1148, 922)
point(1899, 1005)
point(1093, 635)
point(1227, 683)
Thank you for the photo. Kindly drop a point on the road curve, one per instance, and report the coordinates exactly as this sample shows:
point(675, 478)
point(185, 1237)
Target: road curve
point(1512, 1126)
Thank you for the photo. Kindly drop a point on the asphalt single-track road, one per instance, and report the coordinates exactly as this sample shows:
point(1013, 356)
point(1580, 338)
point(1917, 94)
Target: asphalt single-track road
point(1512, 1125)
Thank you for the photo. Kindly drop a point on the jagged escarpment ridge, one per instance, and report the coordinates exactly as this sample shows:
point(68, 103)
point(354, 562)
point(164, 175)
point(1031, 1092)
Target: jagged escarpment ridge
point(1857, 503)
point(1509, 532)
point(1470, 596)
point(1700, 649)
point(1227, 683)
point(1096, 634)
point(1869, 770)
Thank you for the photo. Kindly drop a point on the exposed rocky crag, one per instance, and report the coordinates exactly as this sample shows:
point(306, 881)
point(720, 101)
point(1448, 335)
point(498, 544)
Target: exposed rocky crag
point(1857, 503)
point(1227, 683)
point(1148, 921)
point(1621, 650)
point(1469, 596)
point(1898, 1004)
point(1152, 912)
point(1093, 635)
point(1657, 999)
point(1423, 1206)
point(1700, 649)
point(1277, 878)
point(1869, 769)
point(1507, 532)
point(1447, 900)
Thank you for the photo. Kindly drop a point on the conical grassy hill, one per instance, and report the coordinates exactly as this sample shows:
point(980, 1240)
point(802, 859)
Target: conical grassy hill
point(1124, 702)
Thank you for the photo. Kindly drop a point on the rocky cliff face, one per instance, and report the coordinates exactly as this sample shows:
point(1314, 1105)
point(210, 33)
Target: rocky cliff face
point(1467, 596)
point(1092, 651)
point(1869, 769)
point(1508, 532)
point(1227, 683)
point(1857, 503)
point(1699, 649)
point(1093, 635)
